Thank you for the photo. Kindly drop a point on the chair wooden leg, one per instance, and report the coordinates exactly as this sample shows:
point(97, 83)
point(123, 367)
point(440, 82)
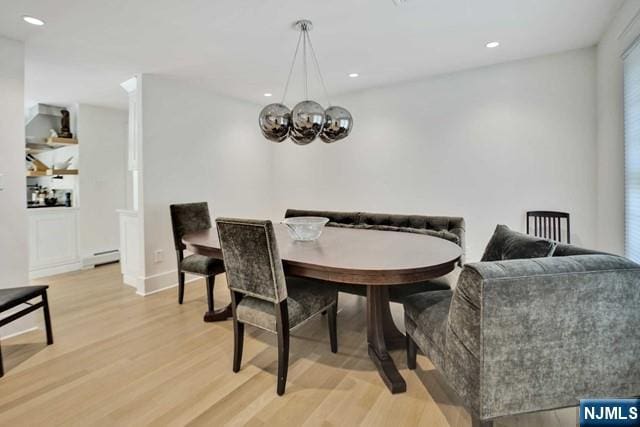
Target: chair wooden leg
point(47, 317)
point(238, 342)
point(180, 287)
point(238, 332)
point(333, 327)
point(211, 281)
point(411, 352)
point(282, 326)
point(1, 365)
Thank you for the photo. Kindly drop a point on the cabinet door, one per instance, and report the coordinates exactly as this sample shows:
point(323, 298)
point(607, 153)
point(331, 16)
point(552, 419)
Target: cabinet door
point(53, 239)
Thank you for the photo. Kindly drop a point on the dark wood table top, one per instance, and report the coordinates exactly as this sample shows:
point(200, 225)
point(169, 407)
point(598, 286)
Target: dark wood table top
point(354, 256)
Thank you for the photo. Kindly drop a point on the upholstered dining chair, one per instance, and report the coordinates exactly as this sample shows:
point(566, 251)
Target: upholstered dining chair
point(261, 296)
point(189, 218)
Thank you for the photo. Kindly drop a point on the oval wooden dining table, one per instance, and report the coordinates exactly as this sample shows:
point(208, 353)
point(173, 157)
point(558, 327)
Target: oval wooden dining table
point(372, 258)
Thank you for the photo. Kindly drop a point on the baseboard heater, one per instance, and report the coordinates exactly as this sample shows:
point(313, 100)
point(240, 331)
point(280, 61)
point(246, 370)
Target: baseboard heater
point(100, 258)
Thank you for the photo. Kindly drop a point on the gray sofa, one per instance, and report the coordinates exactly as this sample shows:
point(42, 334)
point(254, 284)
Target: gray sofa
point(527, 335)
point(444, 227)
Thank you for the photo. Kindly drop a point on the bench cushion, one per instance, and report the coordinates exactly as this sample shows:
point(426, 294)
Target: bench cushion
point(10, 297)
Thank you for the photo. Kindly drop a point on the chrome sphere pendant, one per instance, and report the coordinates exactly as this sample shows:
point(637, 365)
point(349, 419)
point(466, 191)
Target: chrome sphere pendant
point(338, 124)
point(307, 120)
point(275, 122)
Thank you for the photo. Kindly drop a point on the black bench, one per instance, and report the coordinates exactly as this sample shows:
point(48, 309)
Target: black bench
point(13, 297)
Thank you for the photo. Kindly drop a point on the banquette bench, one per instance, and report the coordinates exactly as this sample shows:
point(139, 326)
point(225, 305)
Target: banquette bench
point(444, 227)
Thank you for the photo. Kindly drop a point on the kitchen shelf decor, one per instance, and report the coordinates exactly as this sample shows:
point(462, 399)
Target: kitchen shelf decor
point(61, 142)
point(52, 172)
point(307, 119)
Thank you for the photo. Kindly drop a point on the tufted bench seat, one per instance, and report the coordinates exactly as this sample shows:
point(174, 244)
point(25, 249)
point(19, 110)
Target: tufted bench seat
point(444, 227)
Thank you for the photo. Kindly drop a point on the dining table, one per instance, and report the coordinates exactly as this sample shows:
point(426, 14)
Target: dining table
point(375, 259)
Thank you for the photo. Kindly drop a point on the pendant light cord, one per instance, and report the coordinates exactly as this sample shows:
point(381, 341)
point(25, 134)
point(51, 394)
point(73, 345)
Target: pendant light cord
point(304, 63)
point(293, 63)
point(315, 60)
point(304, 38)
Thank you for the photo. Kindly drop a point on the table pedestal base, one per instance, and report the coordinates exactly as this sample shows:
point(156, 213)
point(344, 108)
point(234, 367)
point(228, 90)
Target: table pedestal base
point(382, 336)
point(213, 315)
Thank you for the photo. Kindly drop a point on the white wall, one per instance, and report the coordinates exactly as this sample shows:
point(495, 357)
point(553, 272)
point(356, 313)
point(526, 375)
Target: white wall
point(102, 136)
point(13, 221)
point(197, 146)
point(622, 31)
point(486, 144)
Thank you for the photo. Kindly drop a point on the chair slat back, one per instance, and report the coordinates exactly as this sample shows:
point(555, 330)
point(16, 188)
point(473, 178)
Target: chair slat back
point(549, 225)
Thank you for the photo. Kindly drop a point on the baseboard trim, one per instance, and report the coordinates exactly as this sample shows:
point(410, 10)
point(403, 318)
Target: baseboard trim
point(94, 260)
point(161, 282)
point(15, 334)
point(52, 271)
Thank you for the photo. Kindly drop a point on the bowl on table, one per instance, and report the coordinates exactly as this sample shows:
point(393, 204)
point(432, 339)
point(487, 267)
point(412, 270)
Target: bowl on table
point(305, 228)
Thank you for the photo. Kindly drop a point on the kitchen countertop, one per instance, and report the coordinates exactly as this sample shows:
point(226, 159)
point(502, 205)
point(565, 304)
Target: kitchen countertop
point(47, 206)
point(49, 209)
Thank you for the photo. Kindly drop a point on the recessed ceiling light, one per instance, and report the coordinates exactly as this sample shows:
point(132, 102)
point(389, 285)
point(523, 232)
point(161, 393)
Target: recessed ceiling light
point(33, 21)
point(268, 94)
point(491, 45)
point(353, 75)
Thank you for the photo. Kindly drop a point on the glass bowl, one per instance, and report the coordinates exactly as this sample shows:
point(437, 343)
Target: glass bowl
point(305, 228)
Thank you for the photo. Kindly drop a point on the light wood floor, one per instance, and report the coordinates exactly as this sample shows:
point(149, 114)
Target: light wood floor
point(120, 359)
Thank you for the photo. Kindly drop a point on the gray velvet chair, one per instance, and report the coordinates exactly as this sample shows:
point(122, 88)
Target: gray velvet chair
point(261, 296)
point(526, 335)
point(189, 218)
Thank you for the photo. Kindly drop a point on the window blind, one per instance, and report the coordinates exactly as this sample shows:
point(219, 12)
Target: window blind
point(632, 151)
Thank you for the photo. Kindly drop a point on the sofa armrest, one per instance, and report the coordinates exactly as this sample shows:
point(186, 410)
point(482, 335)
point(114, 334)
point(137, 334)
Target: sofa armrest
point(554, 330)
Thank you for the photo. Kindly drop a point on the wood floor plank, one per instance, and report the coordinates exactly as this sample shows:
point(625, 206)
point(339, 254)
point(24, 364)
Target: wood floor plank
point(120, 359)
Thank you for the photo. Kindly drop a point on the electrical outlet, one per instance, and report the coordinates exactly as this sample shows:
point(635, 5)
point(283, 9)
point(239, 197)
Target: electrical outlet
point(158, 256)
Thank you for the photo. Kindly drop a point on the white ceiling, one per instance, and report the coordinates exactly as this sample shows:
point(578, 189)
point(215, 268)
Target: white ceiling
point(243, 48)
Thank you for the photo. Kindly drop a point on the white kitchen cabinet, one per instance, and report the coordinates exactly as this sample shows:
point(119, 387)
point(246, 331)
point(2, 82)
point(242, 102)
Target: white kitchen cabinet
point(53, 241)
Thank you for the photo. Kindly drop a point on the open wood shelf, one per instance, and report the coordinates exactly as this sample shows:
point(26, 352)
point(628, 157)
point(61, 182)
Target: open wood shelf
point(53, 172)
point(49, 144)
point(61, 142)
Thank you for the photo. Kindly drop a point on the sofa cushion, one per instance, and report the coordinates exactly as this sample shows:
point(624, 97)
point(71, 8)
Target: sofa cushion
point(305, 299)
point(508, 244)
point(564, 249)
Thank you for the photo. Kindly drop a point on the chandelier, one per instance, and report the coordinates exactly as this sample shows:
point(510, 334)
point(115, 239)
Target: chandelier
point(307, 119)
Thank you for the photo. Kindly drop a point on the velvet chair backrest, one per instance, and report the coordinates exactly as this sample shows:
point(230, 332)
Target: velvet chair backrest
point(251, 258)
point(188, 218)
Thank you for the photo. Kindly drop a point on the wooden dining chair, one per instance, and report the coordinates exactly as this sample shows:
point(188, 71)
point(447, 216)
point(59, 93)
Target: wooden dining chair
point(548, 224)
point(189, 218)
point(261, 296)
point(11, 298)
